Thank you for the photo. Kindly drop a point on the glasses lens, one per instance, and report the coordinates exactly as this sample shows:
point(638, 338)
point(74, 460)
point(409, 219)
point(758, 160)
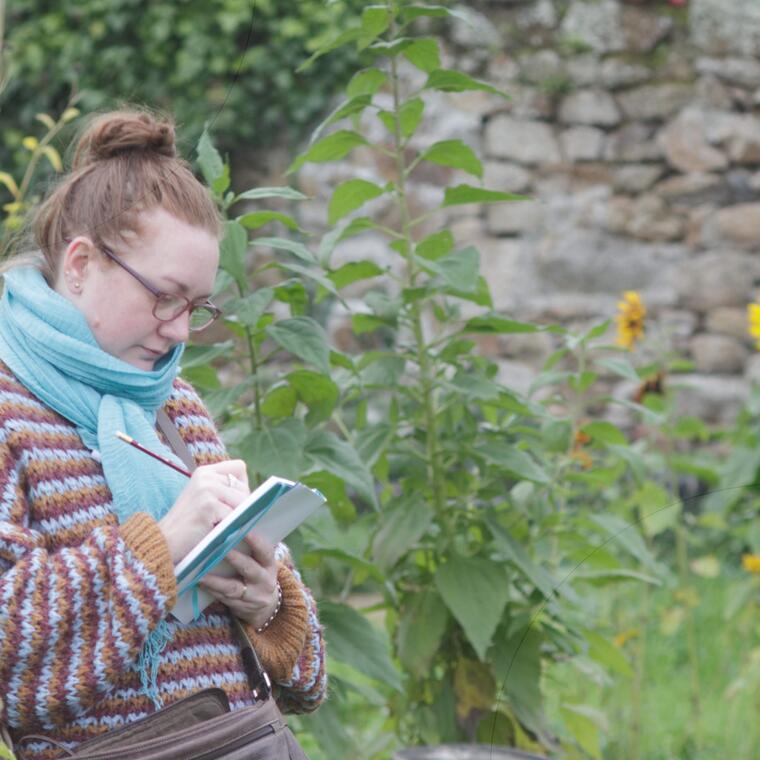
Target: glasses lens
point(169, 307)
point(201, 317)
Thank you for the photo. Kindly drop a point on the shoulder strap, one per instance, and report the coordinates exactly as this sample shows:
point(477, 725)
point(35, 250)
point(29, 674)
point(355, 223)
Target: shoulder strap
point(258, 678)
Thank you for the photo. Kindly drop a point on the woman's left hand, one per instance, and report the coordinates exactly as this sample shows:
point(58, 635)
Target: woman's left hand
point(252, 595)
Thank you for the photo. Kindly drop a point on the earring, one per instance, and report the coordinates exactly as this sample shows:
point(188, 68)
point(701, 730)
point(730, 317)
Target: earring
point(76, 285)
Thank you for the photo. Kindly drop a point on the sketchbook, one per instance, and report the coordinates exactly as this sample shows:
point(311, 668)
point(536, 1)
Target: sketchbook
point(274, 509)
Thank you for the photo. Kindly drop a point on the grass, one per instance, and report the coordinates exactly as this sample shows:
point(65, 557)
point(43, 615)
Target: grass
point(728, 654)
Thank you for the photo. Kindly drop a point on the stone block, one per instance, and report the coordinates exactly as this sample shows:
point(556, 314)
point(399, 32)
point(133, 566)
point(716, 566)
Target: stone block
point(541, 66)
point(592, 107)
point(721, 354)
point(710, 280)
point(526, 142)
point(685, 145)
point(652, 102)
point(728, 320)
point(636, 178)
point(596, 25)
point(695, 189)
point(644, 28)
point(734, 226)
point(615, 73)
point(744, 72)
point(714, 399)
point(633, 143)
point(517, 218)
point(506, 176)
point(722, 28)
point(582, 144)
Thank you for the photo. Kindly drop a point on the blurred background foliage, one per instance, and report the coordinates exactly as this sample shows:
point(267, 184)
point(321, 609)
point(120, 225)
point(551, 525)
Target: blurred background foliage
point(185, 55)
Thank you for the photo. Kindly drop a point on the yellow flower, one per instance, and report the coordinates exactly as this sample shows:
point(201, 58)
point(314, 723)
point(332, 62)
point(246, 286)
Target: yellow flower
point(751, 563)
point(630, 320)
point(753, 320)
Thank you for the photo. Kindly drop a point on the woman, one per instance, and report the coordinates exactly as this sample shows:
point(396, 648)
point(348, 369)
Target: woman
point(91, 333)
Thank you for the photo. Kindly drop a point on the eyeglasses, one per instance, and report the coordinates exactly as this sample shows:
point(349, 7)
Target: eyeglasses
point(168, 306)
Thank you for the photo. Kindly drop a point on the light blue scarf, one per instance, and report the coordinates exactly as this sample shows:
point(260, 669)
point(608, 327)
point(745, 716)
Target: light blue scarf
point(46, 342)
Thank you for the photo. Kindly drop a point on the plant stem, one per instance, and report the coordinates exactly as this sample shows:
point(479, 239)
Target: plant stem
point(423, 359)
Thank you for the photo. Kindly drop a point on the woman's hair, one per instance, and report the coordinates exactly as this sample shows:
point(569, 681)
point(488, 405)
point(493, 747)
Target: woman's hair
point(124, 163)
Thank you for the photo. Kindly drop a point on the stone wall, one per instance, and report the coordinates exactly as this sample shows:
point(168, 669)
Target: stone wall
point(635, 129)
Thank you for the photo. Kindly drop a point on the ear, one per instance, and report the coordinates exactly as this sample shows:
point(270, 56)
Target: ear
point(77, 261)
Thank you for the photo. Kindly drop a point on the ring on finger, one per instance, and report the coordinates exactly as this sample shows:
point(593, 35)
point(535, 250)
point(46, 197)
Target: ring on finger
point(232, 481)
point(244, 591)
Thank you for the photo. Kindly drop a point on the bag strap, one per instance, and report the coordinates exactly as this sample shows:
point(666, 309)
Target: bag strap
point(258, 678)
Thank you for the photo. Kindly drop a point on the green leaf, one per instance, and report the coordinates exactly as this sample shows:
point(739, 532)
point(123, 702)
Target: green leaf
point(375, 20)
point(350, 35)
point(602, 577)
point(331, 148)
point(279, 401)
point(318, 392)
point(476, 591)
point(277, 450)
point(424, 54)
point(303, 337)
point(399, 530)
point(422, 624)
point(410, 116)
point(584, 730)
point(372, 440)
point(364, 323)
point(349, 196)
point(338, 457)
point(412, 12)
point(512, 460)
point(348, 108)
point(354, 271)
point(448, 80)
point(209, 160)
point(620, 367)
point(458, 270)
point(257, 219)
point(232, 251)
point(250, 309)
point(605, 432)
point(366, 82)
point(257, 193)
point(435, 246)
point(198, 355)
point(456, 154)
point(493, 323)
point(658, 509)
point(461, 194)
point(517, 670)
point(283, 244)
point(352, 639)
point(308, 273)
point(607, 654)
point(627, 535)
point(472, 386)
point(517, 555)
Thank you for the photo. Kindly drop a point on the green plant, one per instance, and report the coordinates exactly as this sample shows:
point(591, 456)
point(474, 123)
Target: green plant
point(226, 59)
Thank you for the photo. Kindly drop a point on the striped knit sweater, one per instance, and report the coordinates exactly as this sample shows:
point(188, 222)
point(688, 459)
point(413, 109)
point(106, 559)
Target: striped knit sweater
point(79, 593)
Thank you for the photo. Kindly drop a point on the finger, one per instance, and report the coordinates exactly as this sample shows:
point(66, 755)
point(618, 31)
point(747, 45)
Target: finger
point(235, 467)
point(229, 588)
point(251, 571)
point(262, 550)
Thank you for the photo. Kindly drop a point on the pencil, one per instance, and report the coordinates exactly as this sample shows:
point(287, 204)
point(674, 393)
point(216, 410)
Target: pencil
point(132, 442)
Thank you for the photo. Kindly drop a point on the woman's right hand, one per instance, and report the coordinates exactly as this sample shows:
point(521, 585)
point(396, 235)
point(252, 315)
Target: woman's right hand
point(210, 495)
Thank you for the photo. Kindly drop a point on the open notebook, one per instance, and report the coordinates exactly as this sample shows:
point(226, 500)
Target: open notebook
point(275, 508)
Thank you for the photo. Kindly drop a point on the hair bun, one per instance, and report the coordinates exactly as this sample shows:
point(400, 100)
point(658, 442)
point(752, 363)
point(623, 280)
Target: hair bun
point(120, 133)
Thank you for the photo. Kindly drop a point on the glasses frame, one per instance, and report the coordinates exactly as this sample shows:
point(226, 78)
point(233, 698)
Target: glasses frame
point(216, 312)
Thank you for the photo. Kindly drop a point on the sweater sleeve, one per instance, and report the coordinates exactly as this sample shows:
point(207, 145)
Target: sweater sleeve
point(72, 620)
point(292, 648)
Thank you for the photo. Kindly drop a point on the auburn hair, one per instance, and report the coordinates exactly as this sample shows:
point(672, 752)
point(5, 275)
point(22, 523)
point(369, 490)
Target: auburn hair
point(124, 163)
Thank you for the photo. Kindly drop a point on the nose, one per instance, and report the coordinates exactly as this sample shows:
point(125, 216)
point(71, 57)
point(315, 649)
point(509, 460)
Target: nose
point(176, 330)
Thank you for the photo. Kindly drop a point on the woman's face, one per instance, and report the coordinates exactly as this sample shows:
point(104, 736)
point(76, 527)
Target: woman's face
point(173, 256)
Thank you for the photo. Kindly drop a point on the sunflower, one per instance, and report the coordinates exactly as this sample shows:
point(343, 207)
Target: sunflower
point(753, 320)
point(751, 563)
point(630, 320)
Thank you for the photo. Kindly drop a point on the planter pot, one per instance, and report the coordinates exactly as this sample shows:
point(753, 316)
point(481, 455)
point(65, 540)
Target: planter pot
point(464, 752)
